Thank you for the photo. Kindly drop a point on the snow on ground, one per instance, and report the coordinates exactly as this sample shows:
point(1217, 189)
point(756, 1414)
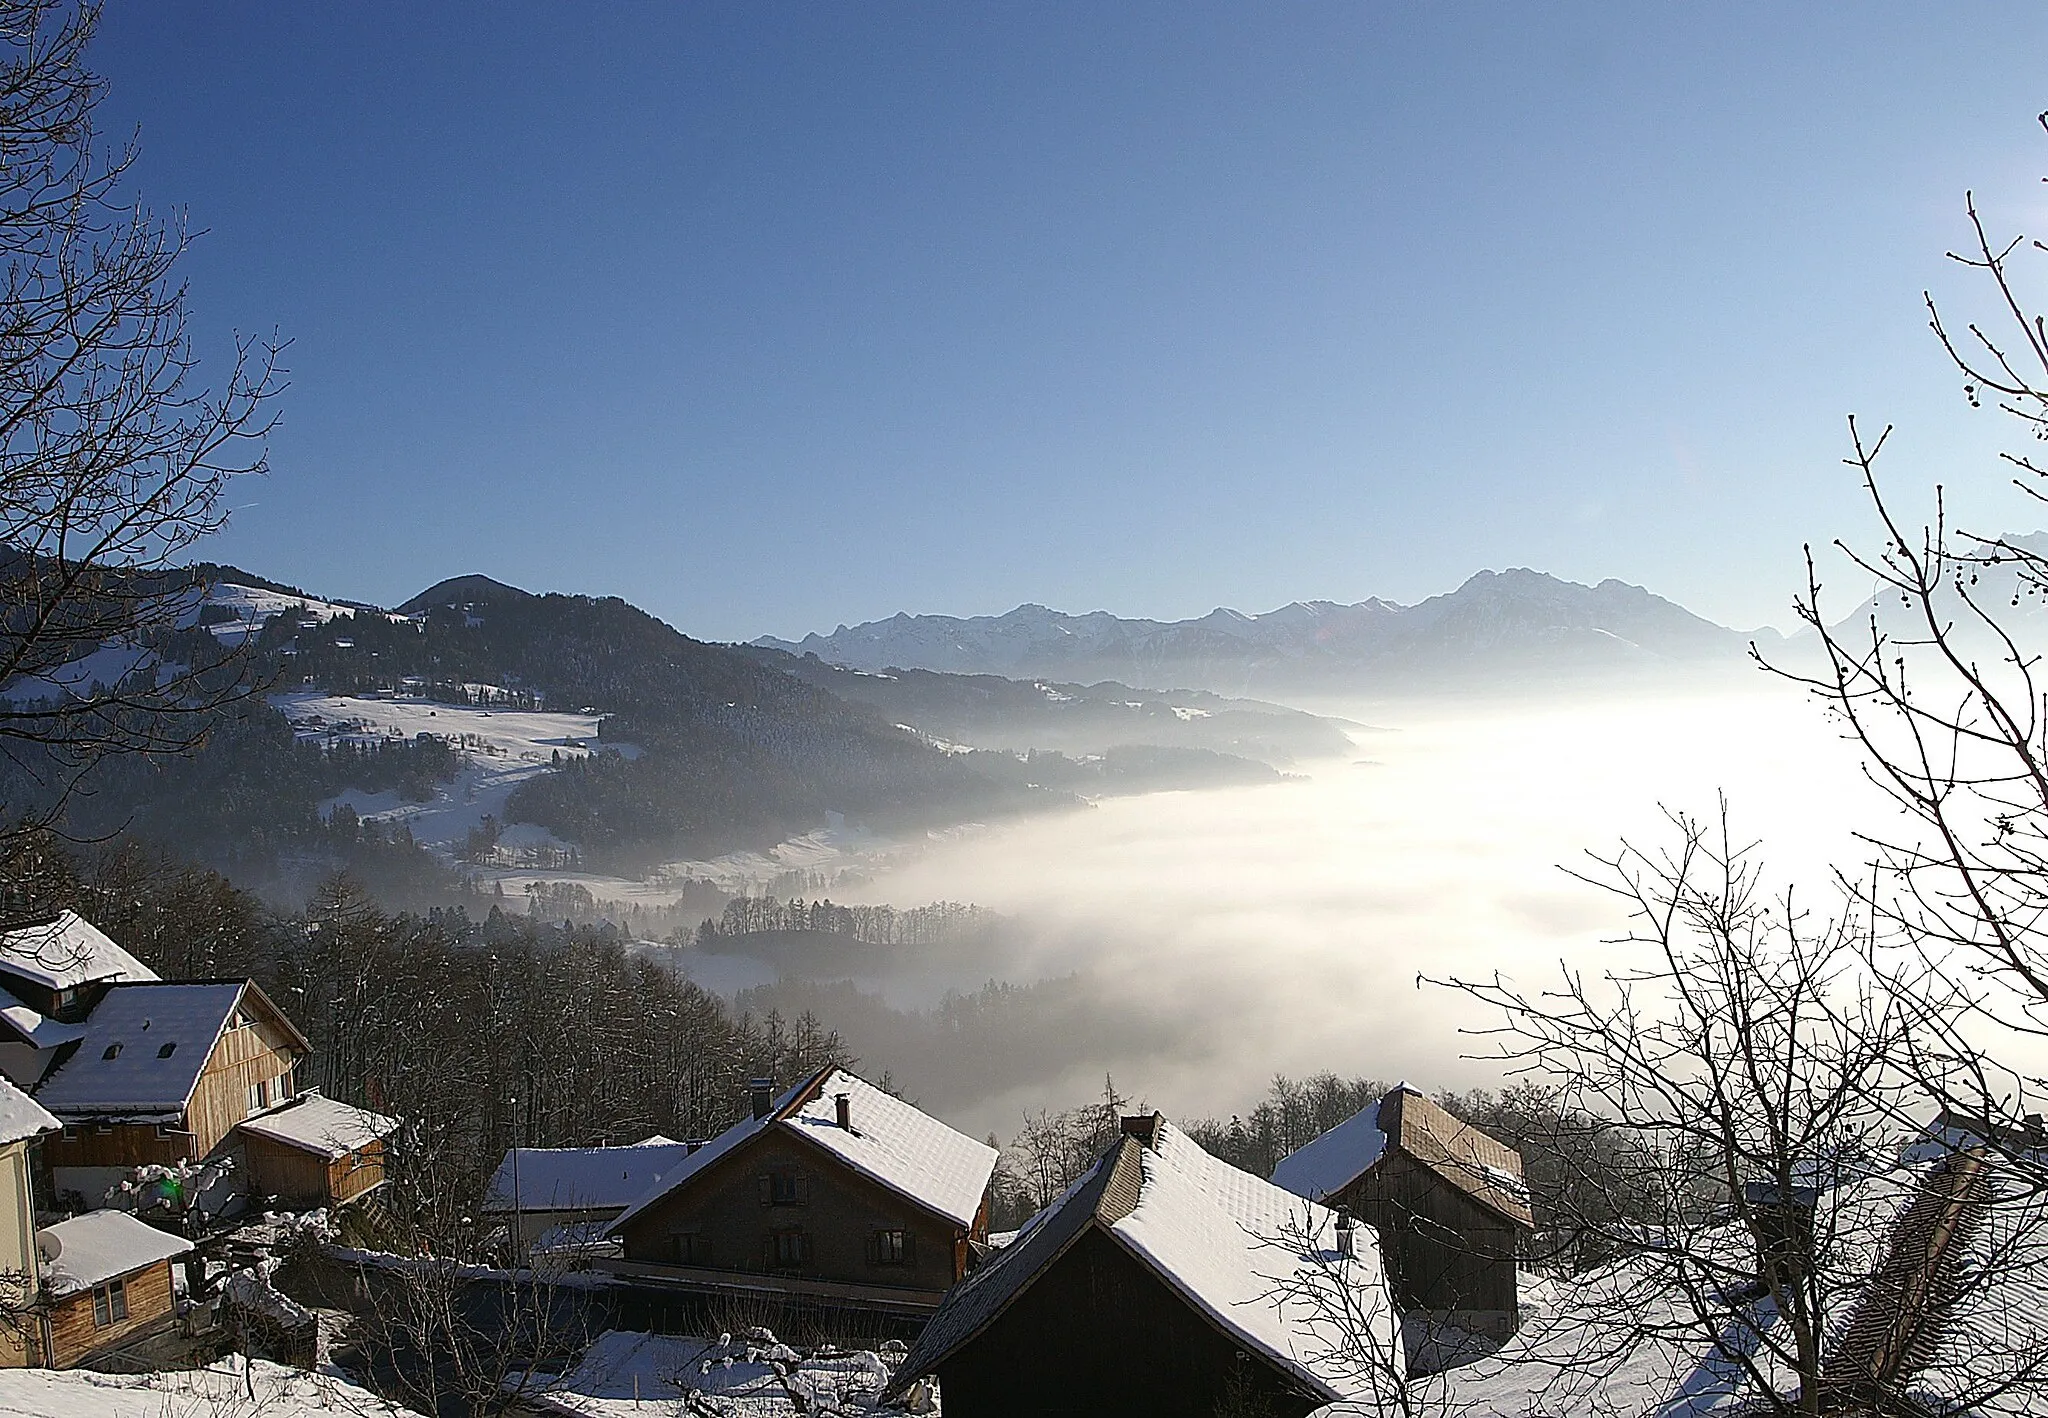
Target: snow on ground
point(502, 748)
point(254, 606)
point(623, 1371)
point(108, 665)
point(215, 1392)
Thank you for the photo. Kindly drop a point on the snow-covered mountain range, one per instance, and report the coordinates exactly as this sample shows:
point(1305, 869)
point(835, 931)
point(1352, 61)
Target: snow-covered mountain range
point(1517, 622)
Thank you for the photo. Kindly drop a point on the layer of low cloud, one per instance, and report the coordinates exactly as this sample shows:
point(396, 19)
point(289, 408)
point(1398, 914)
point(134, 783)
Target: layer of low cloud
point(1244, 932)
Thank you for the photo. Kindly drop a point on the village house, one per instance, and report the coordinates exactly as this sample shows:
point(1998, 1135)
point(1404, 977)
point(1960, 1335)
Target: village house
point(834, 1191)
point(145, 1072)
point(22, 1122)
point(106, 1286)
point(563, 1199)
point(1449, 1204)
point(1166, 1282)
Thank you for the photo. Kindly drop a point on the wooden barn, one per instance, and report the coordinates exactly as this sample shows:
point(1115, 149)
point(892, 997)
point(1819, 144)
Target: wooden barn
point(106, 1284)
point(834, 1191)
point(1165, 1282)
point(163, 1073)
point(1448, 1202)
point(313, 1151)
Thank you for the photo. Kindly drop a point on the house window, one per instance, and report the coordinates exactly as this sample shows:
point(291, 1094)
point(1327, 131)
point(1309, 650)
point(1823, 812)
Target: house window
point(690, 1248)
point(785, 1187)
point(889, 1248)
point(109, 1303)
point(789, 1249)
point(259, 1095)
point(113, 1052)
point(167, 1050)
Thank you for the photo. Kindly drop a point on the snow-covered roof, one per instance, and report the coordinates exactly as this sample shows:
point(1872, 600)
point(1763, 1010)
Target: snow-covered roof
point(889, 1141)
point(323, 1126)
point(22, 1116)
point(1488, 1171)
point(86, 1250)
point(581, 1178)
point(36, 1030)
point(1336, 1159)
point(1261, 1263)
point(65, 950)
point(143, 1049)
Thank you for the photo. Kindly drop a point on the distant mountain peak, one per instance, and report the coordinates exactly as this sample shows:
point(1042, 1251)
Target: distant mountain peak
point(1511, 620)
point(472, 590)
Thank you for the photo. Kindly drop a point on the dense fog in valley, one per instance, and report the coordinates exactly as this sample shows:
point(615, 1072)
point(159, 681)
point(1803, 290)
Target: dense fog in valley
point(1197, 943)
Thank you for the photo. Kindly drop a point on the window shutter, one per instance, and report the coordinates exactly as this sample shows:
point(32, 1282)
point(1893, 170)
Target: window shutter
point(803, 1187)
point(909, 1246)
point(767, 1189)
point(803, 1242)
point(768, 1251)
point(874, 1248)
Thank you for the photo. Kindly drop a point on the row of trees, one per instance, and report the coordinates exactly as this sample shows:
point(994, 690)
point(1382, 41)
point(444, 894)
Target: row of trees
point(940, 923)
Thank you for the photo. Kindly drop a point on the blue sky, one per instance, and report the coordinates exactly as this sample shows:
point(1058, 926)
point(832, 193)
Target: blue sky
point(771, 316)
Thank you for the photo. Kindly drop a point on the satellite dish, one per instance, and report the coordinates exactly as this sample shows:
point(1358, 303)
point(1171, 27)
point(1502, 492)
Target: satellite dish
point(48, 1245)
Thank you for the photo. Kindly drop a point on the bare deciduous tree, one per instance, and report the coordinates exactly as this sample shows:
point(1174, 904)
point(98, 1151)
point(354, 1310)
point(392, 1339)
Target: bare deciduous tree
point(1751, 1062)
point(113, 460)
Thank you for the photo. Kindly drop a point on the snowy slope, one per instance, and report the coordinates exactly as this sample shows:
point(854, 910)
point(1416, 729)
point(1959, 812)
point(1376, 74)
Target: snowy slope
point(502, 749)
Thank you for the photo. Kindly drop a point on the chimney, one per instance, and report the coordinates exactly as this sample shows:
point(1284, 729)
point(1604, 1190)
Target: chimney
point(1144, 1127)
point(1347, 1234)
point(763, 1091)
point(844, 1105)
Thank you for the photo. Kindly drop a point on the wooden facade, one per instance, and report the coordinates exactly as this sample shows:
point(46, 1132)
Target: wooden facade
point(74, 1329)
point(777, 1205)
point(1444, 1251)
point(260, 1053)
point(1452, 1215)
point(298, 1177)
point(1098, 1333)
point(256, 1056)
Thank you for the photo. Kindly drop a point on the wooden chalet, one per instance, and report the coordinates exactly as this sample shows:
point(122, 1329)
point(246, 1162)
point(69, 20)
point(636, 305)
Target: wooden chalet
point(835, 1191)
point(562, 1200)
point(1449, 1204)
point(163, 1073)
point(143, 1071)
point(1165, 1282)
point(313, 1151)
point(106, 1285)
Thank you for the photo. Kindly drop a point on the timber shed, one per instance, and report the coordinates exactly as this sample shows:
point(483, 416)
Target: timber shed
point(315, 1150)
point(1165, 1282)
point(107, 1283)
point(1449, 1203)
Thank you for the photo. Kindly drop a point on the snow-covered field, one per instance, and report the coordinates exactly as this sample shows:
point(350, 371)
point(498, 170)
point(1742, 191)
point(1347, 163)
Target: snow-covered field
point(217, 1392)
point(502, 748)
point(253, 607)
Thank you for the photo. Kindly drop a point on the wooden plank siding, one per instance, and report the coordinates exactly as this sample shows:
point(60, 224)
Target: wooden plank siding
point(1443, 1250)
point(260, 1051)
point(73, 1335)
point(732, 1224)
point(298, 1177)
point(89, 1144)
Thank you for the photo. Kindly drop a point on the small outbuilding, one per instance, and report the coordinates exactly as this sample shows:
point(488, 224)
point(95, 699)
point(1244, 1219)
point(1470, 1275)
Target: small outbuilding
point(1449, 1203)
point(1165, 1282)
point(316, 1151)
point(553, 1198)
point(106, 1284)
